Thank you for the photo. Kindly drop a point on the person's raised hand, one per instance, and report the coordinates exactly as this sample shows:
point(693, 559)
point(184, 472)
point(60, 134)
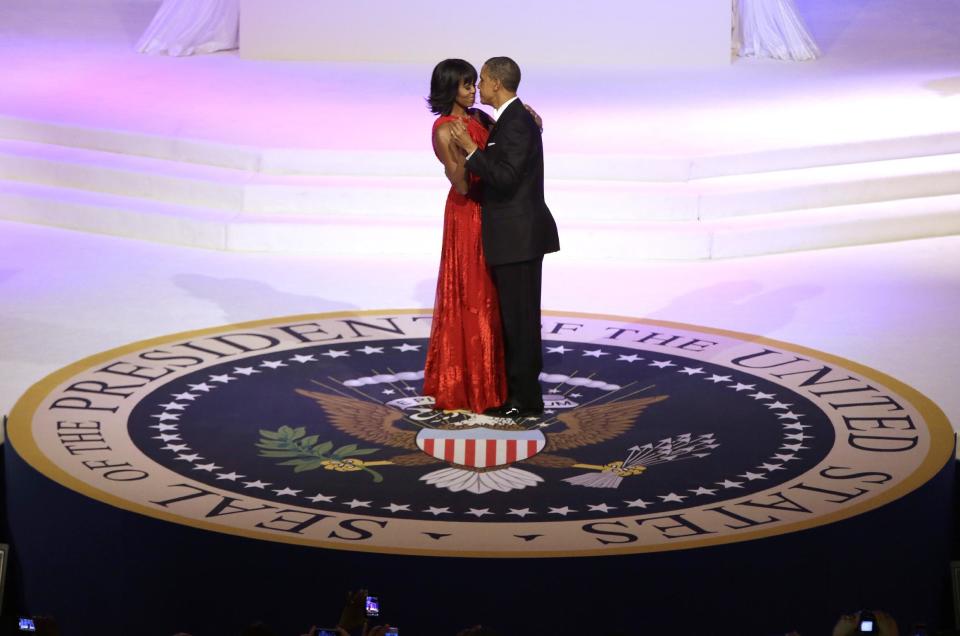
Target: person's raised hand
point(353, 614)
point(461, 136)
point(886, 626)
point(846, 625)
point(536, 117)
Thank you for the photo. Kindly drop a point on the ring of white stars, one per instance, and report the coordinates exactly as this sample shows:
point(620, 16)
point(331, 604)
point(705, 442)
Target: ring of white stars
point(168, 433)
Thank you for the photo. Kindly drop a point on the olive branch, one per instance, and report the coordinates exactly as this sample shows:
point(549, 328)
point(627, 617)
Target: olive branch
point(305, 452)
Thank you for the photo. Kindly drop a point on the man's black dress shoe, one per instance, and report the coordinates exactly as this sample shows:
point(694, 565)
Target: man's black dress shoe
point(514, 411)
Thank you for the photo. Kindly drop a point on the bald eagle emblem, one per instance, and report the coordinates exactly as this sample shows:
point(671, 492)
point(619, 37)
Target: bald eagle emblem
point(481, 453)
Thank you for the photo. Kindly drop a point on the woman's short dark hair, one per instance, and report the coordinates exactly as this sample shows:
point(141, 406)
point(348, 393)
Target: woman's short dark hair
point(448, 76)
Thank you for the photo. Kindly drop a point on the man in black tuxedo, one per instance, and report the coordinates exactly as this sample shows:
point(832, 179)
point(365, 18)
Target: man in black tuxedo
point(517, 228)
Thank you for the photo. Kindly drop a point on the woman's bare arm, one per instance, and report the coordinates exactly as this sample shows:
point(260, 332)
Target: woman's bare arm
point(452, 157)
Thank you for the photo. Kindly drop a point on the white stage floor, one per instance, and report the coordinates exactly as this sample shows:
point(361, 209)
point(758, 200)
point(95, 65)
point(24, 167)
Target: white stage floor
point(68, 295)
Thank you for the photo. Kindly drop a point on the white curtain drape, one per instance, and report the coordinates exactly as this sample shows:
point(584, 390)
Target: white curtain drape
point(190, 27)
point(771, 28)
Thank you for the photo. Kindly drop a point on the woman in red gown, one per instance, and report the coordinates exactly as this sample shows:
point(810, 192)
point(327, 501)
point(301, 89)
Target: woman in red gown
point(464, 368)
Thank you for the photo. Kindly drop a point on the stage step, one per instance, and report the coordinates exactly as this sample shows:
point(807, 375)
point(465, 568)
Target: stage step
point(336, 235)
point(860, 224)
point(837, 226)
point(214, 195)
point(188, 184)
point(404, 198)
point(420, 162)
point(115, 215)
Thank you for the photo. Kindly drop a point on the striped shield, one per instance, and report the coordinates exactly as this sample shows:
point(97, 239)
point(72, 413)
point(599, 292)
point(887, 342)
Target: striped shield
point(480, 447)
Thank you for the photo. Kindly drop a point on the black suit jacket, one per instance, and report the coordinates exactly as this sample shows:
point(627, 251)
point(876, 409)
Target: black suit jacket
point(517, 225)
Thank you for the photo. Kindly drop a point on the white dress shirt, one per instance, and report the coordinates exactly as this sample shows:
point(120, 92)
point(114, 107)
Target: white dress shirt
point(503, 107)
point(496, 115)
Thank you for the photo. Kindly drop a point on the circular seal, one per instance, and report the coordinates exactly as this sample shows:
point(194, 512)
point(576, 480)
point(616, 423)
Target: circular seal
point(314, 430)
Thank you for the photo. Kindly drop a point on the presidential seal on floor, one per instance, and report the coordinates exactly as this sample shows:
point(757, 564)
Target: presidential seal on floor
point(314, 430)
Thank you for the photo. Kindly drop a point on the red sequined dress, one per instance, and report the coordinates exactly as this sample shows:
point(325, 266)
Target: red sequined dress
point(465, 368)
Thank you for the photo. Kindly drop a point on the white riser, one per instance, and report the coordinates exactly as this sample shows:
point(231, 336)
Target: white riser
point(415, 197)
point(132, 143)
point(420, 162)
point(374, 236)
point(821, 156)
point(128, 218)
point(121, 175)
point(420, 197)
point(611, 201)
point(942, 179)
point(836, 227)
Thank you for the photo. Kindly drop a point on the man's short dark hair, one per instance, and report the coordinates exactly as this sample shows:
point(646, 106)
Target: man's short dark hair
point(505, 70)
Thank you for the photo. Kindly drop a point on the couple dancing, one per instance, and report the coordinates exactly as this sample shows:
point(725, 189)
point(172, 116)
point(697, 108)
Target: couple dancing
point(485, 352)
